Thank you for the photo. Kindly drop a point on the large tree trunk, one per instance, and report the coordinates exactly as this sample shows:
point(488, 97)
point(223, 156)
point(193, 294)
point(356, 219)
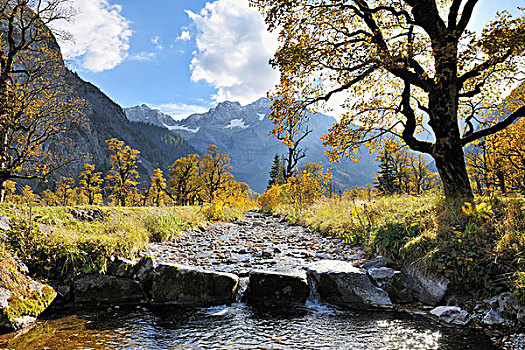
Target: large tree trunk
point(450, 162)
point(448, 150)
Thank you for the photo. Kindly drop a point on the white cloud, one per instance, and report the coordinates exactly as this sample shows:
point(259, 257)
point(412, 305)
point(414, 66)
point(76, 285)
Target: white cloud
point(156, 41)
point(184, 36)
point(180, 111)
point(100, 35)
point(144, 56)
point(233, 49)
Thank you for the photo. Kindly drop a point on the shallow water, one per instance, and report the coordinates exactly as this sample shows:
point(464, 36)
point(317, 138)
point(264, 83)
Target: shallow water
point(242, 327)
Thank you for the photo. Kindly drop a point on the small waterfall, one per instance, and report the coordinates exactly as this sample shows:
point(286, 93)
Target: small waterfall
point(243, 285)
point(314, 299)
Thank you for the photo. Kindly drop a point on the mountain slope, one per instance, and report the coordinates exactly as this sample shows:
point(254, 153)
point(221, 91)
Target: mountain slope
point(242, 133)
point(159, 147)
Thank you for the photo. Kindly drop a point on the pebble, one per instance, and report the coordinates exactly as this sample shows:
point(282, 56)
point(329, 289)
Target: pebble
point(257, 242)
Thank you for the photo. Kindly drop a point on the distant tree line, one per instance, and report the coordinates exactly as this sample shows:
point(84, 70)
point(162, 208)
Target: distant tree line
point(192, 180)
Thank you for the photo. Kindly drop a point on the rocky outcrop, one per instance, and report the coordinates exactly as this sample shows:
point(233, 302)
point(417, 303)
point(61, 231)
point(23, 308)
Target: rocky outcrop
point(271, 289)
point(426, 287)
point(189, 286)
point(340, 283)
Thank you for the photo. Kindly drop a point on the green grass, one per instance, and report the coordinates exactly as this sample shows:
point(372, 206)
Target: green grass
point(481, 250)
point(56, 245)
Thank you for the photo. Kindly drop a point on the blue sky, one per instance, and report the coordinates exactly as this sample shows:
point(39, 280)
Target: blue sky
point(182, 56)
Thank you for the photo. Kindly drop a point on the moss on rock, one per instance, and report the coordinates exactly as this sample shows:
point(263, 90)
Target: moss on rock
point(32, 305)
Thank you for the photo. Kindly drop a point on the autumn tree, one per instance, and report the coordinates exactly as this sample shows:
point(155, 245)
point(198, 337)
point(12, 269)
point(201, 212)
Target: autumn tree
point(156, 192)
point(291, 131)
point(307, 184)
point(49, 197)
point(64, 190)
point(215, 176)
point(36, 103)
point(90, 183)
point(184, 176)
point(123, 177)
point(405, 68)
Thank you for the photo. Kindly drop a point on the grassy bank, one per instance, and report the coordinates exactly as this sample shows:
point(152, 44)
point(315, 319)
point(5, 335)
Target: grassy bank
point(62, 242)
point(479, 247)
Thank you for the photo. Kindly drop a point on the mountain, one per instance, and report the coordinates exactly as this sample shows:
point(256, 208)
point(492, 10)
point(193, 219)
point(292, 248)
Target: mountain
point(103, 120)
point(242, 133)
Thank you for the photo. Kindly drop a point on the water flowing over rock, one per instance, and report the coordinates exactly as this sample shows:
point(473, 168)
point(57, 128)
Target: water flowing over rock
point(270, 289)
point(427, 288)
point(340, 283)
point(190, 286)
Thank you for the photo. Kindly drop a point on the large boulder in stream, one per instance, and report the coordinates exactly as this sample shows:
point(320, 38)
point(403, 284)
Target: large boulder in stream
point(426, 287)
point(271, 289)
point(105, 289)
point(20, 309)
point(190, 286)
point(341, 283)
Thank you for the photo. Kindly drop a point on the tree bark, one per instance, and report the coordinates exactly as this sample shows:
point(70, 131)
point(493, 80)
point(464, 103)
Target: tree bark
point(447, 150)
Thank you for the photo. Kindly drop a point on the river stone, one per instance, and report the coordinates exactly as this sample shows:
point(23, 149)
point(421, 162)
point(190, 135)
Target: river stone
point(378, 262)
point(270, 289)
point(340, 283)
point(190, 286)
point(451, 315)
point(426, 288)
point(492, 317)
point(104, 289)
point(18, 311)
point(121, 267)
point(392, 282)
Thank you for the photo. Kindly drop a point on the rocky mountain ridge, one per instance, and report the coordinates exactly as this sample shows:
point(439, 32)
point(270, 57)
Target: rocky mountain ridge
point(243, 133)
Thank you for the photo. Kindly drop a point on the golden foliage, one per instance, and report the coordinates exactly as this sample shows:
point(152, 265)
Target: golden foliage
point(123, 177)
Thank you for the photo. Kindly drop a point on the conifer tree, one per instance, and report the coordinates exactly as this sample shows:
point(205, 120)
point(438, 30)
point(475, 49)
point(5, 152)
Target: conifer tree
point(386, 181)
point(276, 172)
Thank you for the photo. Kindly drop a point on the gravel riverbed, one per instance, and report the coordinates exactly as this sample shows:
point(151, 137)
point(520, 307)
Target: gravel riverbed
point(256, 243)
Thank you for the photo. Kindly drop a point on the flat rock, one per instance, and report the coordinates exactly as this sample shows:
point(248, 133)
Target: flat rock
point(190, 286)
point(270, 289)
point(427, 288)
point(340, 283)
point(451, 315)
point(105, 289)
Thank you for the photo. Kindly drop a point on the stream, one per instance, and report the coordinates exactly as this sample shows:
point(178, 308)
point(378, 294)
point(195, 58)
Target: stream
point(258, 242)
